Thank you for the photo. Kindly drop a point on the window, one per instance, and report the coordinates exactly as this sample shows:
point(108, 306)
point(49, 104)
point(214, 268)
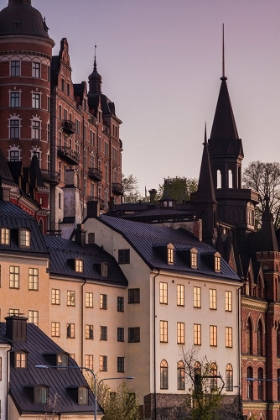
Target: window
point(217, 263)
point(62, 84)
point(55, 297)
point(197, 378)
point(20, 359)
point(197, 334)
point(13, 312)
point(249, 337)
point(82, 396)
point(228, 301)
point(180, 333)
point(24, 238)
point(15, 68)
point(70, 330)
point(213, 335)
point(14, 277)
point(229, 377)
point(181, 375)
point(259, 339)
point(180, 295)
point(89, 332)
point(260, 384)
point(89, 300)
point(103, 301)
point(0, 373)
point(213, 298)
point(36, 99)
point(163, 374)
point(41, 394)
point(14, 128)
point(120, 364)
point(120, 304)
point(36, 70)
point(55, 329)
point(62, 360)
point(14, 99)
point(124, 256)
point(33, 317)
point(196, 297)
point(193, 254)
point(213, 372)
point(71, 298)
point(120, 334)
point(249, 383)
point(134, 335)
point(79, 265)
point(33, 279)
point(89, 361)
point(104, 270)
point(228, 337)
point(5, 236)
point(103, 333)
point(163, 292)
point(103, 363)
point(163, 331)
point(133, 295)
point(14, 154)
point(170, 254)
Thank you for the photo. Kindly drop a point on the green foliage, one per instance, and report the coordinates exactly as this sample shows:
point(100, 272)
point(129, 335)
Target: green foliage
point(178, 188)
point(118, 405)
point(130, 188)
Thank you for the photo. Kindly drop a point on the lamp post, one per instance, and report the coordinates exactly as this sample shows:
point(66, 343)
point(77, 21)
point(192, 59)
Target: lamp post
point(76, 367)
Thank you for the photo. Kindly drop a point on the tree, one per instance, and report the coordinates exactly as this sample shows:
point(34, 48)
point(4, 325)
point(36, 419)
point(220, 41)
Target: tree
point(178, 188)
point(130, 188)
point(118, 405)
point(265, 179)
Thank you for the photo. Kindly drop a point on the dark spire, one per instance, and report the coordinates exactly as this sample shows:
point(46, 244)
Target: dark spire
point(223, 69)
point(267, 238)
point(95, 80)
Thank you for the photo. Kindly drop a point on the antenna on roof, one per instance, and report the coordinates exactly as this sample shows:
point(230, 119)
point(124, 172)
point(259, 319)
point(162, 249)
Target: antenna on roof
point(223, 63)
point(95, 66)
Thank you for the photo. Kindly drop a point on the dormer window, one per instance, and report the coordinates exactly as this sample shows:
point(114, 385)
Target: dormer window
point(170, 254)
point(41, 394)
point(79, 265)
point(82, 395)
point(24, 238)
point(5, 236)
point(104, 270)
point(193, 258)
point(62, 360)
point(20, 360)
point(217, 263)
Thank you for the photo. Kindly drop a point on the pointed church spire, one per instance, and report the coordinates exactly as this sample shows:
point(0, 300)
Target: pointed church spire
point(223, 64)
point(267, 239)
point(95, 80)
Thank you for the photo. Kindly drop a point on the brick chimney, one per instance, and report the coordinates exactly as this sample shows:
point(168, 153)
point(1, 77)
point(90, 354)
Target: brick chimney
point(16, 328)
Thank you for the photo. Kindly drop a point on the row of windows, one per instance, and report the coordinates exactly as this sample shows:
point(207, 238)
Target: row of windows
point(15, 126)
point(14, 278)
point(163, 331)
point(15, 99)
point(24, 237)
point(103, 363)
point(163, 296)
point(71, 299)
point(15, 68)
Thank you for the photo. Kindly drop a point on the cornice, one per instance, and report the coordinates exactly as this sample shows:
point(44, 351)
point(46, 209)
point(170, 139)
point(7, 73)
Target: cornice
point(250, 303)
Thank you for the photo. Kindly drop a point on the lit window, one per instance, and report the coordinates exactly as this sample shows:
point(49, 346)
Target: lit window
point(217, 263)
point(120, 304)
point(13, 312)
point(41, 395)
point(15, 68)
point(103, 363)
point(196, 297)
point(120, 334)
point(5, 236)
point(133, 295)
point(89, 332)
point(103, 333)
point(193, 254)
point(14, 99)
point(180, 332)
point(33, 317)
point(163, 292)
point(36, 99)
point(228, 336)
point(55, 297)
point(180, 295)
point(213, 335)
point(103, 301)
point(124, 256)
point(228, 301)
point(70, 330)
point(55, 329)
point(71, 298)
point(163, 374)
point(214, 373)
point(20, 359)
point(89, 300)
point(62, 360)
point(79, 266)
point(170, 254)
point(33, 279)
point(24, 238)
point(89, 361)
point(197, 334)
point(36, 70)
point(14, 128)
point(213, 298)
point(180, 375)
point(14, 277)
point(120, 364)
point(229, 377)
point(134, 335)
point(36, 130)
point(82, 396)
point(163, 326)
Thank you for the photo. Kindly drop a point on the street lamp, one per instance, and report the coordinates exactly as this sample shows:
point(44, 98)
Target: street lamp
point(76, 367)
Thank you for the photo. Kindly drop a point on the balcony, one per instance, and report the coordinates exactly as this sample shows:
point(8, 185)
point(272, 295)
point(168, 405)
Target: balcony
point(50, 176)
point(68, 127)
point(69, 155)
point(117, 188)
point(95, 173)
point(99, 200)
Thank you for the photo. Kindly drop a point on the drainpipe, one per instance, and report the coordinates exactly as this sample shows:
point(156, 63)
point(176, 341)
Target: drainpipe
point(239, 345)
point(82, 324)
point(154, 315)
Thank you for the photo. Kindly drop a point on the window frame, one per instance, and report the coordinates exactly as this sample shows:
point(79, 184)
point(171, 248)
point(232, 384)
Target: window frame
point(20, 358)
point(103, 301)
point(103, 363)
point(55, 297)
point(229, 337)
point(181, 333)
point(14, 128)
point(133, 335)
point(55, 329)
point(180, 295)
point(197, 334)
point(124, 256)
point(213, 299)
point(79, 265)
point(41, 394)
point(83, 395)
point(33, 317)
point(5, 236)
point(15, 68)
point(196, 296)
point(213, 340)
point(120, 364)
point(181, 377)
point(36, 69)
point(89, 300)
point(15, 99)
point(70, 330)
point(103, 333)
point(14, 277)
point(163, 331)
point(120, 334)
point(33, 278)
point(163, 374)
point(134, 295)
point(71, 298)
point(120, 304)
point(24, 238)
point(228, 301)
point(163, 292)
point(36, 100)
point(229, 377)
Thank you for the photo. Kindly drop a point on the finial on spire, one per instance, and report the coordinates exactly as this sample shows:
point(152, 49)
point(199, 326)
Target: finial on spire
point(205, 136)
point(223, 60)
point(95, 66)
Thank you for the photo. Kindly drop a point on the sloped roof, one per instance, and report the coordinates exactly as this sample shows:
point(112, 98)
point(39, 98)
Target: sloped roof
point(146, 239)
point(38, 345)
point(63, 252)
point(205, 191)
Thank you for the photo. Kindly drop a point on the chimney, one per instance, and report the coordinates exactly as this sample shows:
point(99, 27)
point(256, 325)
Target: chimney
point(5, 194)
point(80, 235)
point(93, 209)
point(16, 328)
point(152, 193)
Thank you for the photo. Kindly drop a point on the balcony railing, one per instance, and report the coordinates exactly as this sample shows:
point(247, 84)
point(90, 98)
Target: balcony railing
point(71, 156)
point(117, 188)
point(50, 176)
point(99, 200)
point(95, 173)
point(68, 127)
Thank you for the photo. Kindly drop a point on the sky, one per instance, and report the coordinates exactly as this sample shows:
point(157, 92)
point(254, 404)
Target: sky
point(161, 63)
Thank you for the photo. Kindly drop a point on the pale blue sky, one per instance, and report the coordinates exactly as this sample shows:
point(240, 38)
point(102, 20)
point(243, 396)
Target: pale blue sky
point(161, 63)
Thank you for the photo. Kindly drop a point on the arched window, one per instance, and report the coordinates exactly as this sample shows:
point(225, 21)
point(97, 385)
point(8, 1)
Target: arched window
point(249, 336)
point(163, 374)
point(213, 372)
point(260, 383)
point(36, 151)
point(229, 377)
point(249, 383)
point(181, 375)
point(230, 178)
point(219, 179)
point(197, 378)
point(260, 339)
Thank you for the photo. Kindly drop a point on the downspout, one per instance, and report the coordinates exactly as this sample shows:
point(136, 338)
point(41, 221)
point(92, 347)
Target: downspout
point(8, 380)
point(239, 345)
point(154, 315)
point(82, 324)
